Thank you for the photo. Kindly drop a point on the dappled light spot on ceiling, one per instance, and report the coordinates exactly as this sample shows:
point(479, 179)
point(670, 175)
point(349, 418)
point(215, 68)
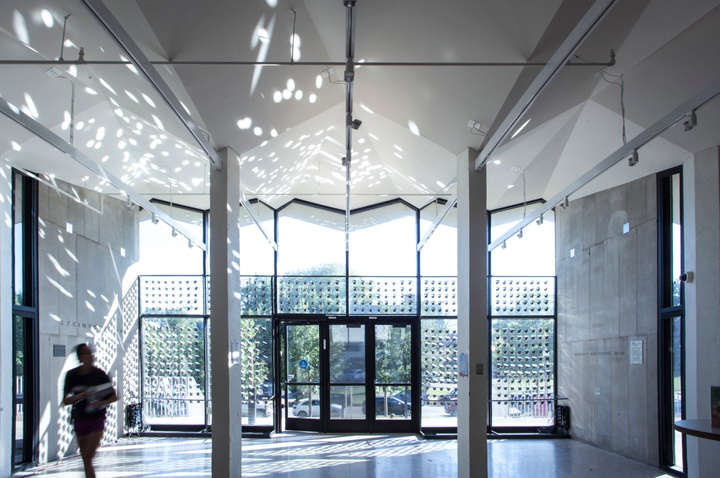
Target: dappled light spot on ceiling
point(20, 27)
point(413, 128)
point(29, 107)
point(107, 86)
point(244, 123)
point(47, 18)
point(148, 100)
point(130, 66)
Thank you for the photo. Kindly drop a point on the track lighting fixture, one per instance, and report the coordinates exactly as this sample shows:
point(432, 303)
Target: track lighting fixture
point(190, 243)
point(174, 232)
point(356, 123)
point(634, 159)
point(539, 220)
point(155, 219)
point(691, 121)
point(128, 201)
point(565, 203)
point(520, 234)
point(504, 245)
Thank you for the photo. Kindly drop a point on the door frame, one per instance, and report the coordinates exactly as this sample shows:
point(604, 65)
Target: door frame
point(371, 424)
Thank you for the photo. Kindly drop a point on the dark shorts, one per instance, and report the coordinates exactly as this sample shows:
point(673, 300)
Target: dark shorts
point(86, 427)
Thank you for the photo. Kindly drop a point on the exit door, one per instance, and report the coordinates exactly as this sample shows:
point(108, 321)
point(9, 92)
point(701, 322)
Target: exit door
point(354, 375)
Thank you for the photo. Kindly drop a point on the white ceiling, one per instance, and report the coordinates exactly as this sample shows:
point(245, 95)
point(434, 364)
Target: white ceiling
point(445, 64)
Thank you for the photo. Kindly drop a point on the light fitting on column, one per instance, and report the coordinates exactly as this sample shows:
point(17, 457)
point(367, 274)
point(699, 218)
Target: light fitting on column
point(691, 121)
point(634, 159)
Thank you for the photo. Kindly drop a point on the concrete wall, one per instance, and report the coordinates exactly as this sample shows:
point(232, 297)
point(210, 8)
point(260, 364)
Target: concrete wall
point(83, 259)
point(606, 262)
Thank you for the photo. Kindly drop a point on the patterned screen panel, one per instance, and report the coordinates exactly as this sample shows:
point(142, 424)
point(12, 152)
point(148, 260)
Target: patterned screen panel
point(311, 295)
point(522, 296)
point(523, 371)
point(438, 296)
point(256, 296)
point(171, 295)
point(173, 361)
point(383, 295)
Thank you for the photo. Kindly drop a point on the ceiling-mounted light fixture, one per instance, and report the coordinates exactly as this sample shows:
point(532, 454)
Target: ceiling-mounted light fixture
point(634, 159)
point(539, 220)
point(190, 243)
point(356, 123)
point(565, 203)
point(155, 219)
point(691, 121)
point(128, 201)
point(504, 245)
point(174, 232)
point(520, 234)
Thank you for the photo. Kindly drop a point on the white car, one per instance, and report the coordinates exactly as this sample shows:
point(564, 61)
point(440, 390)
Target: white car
point(301, 409)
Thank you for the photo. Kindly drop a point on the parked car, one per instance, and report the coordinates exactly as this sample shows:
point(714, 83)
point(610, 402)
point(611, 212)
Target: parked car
point(406, 396)
point(449, 402)
point(395, 406)
point(302, 409)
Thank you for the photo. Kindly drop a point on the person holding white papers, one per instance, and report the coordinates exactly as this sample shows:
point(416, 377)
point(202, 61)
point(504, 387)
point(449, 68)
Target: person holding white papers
point(89, 390)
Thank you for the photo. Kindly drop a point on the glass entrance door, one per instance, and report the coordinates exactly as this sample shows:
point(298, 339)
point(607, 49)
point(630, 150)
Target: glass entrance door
point(350, 376)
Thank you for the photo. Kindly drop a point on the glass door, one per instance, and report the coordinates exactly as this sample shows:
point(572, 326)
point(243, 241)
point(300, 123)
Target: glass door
point(348, 377)
point(391, 407)
point(303, 403)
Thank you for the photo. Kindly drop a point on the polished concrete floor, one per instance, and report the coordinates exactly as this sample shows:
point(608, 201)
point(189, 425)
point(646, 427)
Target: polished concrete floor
point(304, 455)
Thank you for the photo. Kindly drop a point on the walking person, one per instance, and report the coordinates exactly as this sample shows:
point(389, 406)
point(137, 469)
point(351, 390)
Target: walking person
point(89, 390)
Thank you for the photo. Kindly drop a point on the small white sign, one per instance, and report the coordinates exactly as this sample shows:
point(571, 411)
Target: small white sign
point(626, 228)
point(636, 351)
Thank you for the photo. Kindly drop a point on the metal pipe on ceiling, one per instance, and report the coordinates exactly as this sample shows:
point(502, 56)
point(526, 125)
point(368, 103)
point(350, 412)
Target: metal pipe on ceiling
point(350, 123)
point(313, 64)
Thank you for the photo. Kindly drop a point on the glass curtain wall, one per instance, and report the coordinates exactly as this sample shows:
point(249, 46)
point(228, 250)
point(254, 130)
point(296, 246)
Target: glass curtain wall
point(438, 297)
point(173, 323)
point(25, 323)
point(671, 325)
point(522, 324)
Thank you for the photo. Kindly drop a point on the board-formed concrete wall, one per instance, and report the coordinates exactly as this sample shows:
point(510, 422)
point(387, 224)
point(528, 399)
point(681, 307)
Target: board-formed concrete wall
point(83, 256)
point(606, 263)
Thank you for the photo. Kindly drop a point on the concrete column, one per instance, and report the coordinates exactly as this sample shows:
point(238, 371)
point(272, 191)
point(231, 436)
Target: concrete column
point(472, 317)
point(701, 177)
point(225, 316)
point(7, 387)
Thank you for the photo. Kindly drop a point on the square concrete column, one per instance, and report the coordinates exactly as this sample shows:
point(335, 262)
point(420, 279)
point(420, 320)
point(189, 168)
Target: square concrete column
point(472, 317)
point(225, 316)
point(701, 231)
point(7, 387)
